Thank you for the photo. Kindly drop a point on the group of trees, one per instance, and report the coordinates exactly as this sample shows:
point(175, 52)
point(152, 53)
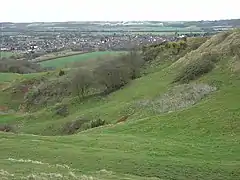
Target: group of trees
point(110, 75)
point(19, 66)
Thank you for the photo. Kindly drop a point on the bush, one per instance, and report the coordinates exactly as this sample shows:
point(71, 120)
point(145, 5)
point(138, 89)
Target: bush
point(61, 73)
point(81, 124)
point(76, 125)
point(19, 66)
point(151, 53)
point(6, 128)
point(198, 66)
point(62, 110)
point(194, 70)
point(97, 123)
point(164, 50)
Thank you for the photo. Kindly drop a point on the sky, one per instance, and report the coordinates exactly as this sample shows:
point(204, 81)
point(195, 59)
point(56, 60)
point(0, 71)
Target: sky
point(117, 10)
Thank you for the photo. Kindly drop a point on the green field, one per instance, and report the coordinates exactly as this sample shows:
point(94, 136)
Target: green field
point(5, 54)
point(9, 77)
point(200, 141)
point(65, 61)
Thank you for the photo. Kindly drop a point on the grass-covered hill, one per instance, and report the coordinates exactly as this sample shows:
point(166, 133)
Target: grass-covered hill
point(171, 113)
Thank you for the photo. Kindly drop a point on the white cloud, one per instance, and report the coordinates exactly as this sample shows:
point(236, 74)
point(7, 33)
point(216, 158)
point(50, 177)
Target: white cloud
point(110, 10)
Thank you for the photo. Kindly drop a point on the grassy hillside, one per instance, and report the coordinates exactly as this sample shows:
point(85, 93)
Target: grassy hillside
point(9, 77)
point(182, 125)
point(65, 61)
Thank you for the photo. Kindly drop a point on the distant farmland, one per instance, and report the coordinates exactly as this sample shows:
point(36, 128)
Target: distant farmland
point(65, 61)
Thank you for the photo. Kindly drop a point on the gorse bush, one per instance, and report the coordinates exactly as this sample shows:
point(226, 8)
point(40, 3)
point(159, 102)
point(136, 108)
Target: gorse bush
point(196, 68)
point(48, 92)
point(151, 52)
point(75, 126)
point(97, 123)
point(171, 50)
point(81, 124)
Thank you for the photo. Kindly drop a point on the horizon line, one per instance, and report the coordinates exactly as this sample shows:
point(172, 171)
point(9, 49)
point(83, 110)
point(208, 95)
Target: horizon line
point(118, 21)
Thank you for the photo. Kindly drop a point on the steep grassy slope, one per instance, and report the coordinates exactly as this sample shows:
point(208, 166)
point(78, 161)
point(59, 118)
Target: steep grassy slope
point(197, 142)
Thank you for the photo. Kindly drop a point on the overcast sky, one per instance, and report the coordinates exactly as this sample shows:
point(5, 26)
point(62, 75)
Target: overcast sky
point(114, 10)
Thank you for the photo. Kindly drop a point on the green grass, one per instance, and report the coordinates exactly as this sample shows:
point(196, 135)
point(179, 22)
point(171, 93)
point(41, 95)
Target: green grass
point(187, 144)
point(9, 77)
point(6, 54)
point(66, 61)
point(200, 142)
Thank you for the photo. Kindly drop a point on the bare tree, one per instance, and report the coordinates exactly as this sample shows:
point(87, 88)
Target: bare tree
point(112, 75)
point(134, 61)
point(81, 82)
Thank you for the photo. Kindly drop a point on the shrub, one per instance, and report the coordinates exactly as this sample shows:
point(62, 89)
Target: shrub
point(193, 70)
point(19, 66)
point(74, 126)
point(97, 123)
point(195, 42)
point(235, 51)
point(62, 110)
point(6, 128)
point(197, 67)
point(48, 92)
point(61, 73)
point(150, 53)
point(81, 124)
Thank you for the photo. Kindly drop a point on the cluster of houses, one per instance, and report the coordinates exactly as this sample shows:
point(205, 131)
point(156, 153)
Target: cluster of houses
point(53, 42)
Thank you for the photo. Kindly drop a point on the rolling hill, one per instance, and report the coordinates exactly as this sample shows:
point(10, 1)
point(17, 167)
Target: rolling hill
point(184, 119)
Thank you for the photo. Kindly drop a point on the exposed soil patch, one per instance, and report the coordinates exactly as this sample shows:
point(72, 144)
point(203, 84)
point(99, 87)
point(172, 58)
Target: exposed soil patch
point(181, 96)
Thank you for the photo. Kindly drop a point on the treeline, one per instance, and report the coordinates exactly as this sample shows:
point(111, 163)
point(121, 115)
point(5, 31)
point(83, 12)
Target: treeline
point(111, 74)
point(19, 66)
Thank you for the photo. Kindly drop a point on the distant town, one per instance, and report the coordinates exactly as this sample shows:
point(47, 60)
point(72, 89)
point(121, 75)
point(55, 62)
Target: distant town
point(42, 38)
